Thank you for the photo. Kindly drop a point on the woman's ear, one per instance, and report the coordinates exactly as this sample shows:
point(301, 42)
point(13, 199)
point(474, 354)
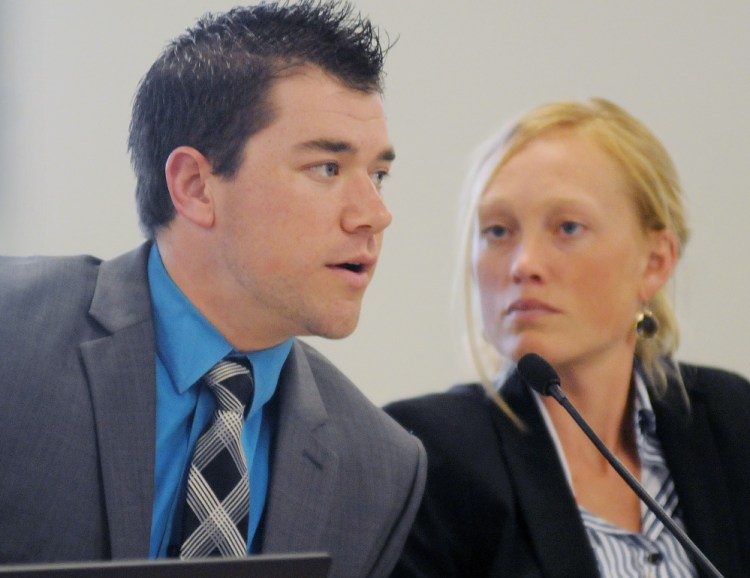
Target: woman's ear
point(187, 171)
point(663, 254)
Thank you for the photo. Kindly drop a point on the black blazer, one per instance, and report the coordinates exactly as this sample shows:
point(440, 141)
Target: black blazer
point(497, 502)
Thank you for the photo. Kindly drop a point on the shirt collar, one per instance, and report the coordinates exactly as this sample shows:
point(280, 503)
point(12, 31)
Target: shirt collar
point(645, 419)
point(186, 342)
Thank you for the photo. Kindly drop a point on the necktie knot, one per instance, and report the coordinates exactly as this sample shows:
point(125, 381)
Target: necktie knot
point(231, 381)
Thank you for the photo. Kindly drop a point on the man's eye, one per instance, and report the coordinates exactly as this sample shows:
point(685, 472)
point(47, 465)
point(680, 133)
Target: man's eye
point(379, 177)
point(329, 169)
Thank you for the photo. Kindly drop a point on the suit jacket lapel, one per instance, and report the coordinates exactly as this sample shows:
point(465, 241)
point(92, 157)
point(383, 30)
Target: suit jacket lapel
point(303, 467)
point(544, 496)
point(121, 374)
point(690, 453)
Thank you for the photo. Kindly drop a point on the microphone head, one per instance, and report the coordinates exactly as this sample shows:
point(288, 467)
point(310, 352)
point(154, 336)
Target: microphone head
point(538, 373)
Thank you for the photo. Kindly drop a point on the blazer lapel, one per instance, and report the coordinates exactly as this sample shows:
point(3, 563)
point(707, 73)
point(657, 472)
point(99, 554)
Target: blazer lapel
point(121, 373)
point(303, 467)
point(544, 496)
point(690, 453)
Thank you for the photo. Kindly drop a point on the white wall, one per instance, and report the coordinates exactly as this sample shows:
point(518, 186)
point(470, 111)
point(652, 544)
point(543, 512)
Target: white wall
point(459, 69)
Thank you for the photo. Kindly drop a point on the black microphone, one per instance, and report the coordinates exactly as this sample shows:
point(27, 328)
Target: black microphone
point(542, 377)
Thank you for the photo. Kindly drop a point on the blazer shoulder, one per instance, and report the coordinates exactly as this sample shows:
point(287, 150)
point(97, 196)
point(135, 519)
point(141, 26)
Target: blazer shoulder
point(716, 387)
point(461, 428)
point(454, 399)
point(443, 410)
point(720, 413)
point(702, 376)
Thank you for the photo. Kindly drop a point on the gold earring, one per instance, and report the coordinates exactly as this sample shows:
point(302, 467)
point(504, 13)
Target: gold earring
point(646, 324)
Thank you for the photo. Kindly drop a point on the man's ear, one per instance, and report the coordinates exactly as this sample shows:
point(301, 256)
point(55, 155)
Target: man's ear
point(662, 257)
point(187, 171)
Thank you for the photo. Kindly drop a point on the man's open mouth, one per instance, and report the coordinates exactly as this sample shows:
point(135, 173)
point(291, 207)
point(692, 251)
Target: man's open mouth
point(354, 267)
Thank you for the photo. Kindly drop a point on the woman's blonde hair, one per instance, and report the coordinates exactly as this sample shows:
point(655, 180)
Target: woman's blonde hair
point(656, 194)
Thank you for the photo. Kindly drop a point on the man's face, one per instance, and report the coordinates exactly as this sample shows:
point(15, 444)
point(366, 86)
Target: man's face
point(299, 228)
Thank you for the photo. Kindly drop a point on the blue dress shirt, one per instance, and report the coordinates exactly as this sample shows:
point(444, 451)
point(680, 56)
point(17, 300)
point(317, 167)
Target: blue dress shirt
point(187, 346)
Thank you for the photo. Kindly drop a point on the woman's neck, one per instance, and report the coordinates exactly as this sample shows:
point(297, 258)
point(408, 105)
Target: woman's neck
point(601, 392)
point(603, 396)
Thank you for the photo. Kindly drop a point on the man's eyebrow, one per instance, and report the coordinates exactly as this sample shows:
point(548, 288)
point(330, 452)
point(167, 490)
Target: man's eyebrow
point(388, 155)
point(335, 146)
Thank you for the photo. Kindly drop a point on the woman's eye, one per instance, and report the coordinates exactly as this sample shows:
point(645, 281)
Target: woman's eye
point(570, 227)
point(329, 169)
point(495, 231)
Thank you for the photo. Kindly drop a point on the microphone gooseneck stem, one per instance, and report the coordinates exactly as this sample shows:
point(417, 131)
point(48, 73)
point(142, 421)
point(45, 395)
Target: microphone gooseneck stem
point(555, 391)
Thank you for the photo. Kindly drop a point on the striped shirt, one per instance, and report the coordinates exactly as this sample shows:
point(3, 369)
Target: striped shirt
point(653, 552)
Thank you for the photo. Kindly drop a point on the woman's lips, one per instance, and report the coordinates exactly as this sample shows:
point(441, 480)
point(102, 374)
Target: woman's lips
point(528, 307)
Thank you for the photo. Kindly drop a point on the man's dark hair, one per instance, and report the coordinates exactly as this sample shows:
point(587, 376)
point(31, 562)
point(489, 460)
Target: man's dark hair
point(209, 87)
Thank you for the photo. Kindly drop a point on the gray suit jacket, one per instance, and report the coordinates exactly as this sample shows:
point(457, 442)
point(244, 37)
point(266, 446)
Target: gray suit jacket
point(77, 434)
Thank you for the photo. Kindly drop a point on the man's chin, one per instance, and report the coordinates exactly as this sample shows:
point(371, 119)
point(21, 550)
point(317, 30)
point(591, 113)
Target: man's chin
point(337, 329)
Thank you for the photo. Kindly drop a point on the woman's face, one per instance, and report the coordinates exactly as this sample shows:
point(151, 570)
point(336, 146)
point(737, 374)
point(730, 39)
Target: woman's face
point(561, 261)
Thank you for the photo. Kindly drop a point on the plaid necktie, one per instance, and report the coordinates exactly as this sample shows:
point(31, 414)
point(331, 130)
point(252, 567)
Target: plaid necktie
point(217, 503)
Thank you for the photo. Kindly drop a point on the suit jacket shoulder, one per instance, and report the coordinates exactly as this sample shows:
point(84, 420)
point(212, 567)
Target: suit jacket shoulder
point(345, 478)
point(37, 289)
